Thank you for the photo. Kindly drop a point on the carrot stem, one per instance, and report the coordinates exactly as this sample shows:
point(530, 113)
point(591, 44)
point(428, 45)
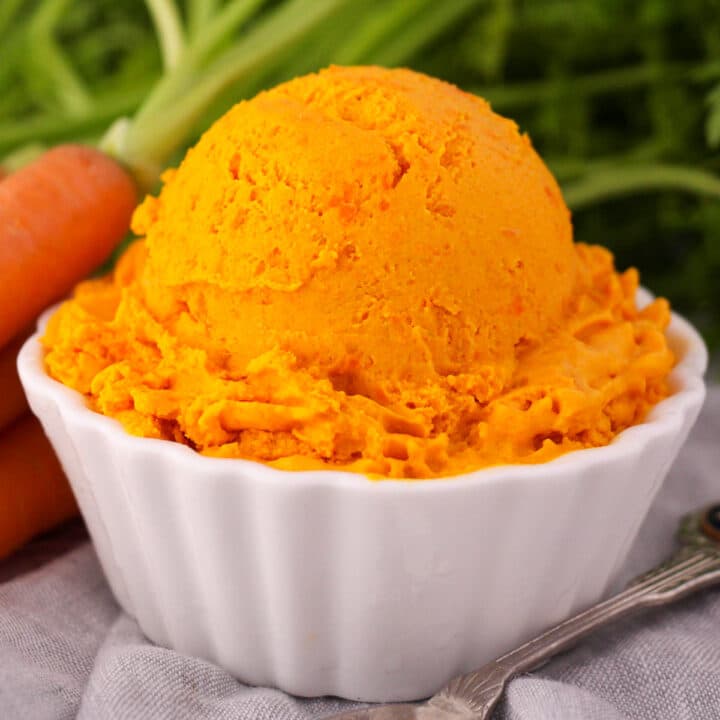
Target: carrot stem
point(516, 95)
point(383, 23)
point(221, 27)
point(169, 30)
point(153, 136)
point(605, 183)
point(423, 27)
point(54, 128)
point(66, 83)
point(199, 14)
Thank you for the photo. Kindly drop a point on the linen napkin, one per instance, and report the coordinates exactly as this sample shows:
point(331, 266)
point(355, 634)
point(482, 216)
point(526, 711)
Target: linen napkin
point(68, 651)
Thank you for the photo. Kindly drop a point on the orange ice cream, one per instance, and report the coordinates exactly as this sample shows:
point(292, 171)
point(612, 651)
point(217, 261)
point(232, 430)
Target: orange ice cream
point(364, 269)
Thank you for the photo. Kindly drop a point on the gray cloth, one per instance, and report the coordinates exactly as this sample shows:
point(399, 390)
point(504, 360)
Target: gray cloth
point(67, 651)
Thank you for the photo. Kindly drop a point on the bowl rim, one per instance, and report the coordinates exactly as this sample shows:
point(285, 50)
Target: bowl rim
point(665, 417)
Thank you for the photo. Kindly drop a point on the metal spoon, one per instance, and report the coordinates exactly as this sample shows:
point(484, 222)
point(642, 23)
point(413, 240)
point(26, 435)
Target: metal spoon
point(472, 697)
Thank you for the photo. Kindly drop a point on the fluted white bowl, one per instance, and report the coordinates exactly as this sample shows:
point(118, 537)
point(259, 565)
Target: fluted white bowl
point(327, 583)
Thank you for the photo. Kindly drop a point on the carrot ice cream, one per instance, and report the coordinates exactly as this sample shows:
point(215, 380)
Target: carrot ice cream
point(367, 270)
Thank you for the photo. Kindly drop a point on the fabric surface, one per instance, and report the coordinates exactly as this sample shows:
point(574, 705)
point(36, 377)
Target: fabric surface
point(67, 651)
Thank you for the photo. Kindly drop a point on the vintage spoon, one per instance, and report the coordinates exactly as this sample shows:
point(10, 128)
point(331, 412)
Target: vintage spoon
point(472, 697)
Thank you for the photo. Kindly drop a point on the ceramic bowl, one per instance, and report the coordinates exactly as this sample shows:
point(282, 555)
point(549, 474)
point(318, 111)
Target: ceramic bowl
point(327, 583)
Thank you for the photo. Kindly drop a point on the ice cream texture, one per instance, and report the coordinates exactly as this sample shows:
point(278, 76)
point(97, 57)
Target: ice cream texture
point(369, 270)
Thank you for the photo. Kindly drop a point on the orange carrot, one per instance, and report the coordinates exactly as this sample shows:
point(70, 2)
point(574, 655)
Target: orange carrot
point(35, 494)
point(60, 217)
point(12, 398)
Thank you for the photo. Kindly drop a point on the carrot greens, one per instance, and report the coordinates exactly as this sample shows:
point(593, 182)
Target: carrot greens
point(622, 99)
point(169, 68)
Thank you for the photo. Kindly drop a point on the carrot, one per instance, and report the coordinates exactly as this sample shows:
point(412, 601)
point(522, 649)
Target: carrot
point(35, 494)
point(60, 217)
point(12, 398)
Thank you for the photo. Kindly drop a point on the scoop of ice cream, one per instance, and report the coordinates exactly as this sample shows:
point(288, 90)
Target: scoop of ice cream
point(381, 226)
point(370, 269)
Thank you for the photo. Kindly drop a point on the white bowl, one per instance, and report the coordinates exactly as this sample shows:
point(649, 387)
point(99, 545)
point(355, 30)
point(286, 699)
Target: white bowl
point(328, 583)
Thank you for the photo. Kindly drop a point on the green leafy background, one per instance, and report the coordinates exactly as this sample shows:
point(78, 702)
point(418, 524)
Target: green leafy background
point(621, 98)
